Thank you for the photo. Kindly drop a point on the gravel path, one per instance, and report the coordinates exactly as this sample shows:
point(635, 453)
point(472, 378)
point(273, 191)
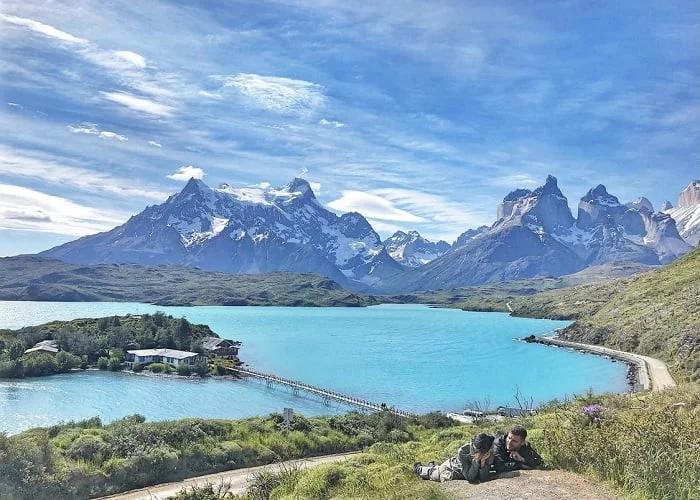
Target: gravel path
point(237, 479)
point(532, 485)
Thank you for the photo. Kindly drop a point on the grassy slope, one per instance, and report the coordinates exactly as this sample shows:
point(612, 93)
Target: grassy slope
point(35, 278)
point(655, 313)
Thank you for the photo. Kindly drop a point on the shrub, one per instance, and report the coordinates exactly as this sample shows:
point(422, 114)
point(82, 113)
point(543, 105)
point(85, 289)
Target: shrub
point(184, 370)
point(87, 447)
point(103, 363)
point(137, 367)
point(160, 368)
point(115, 364)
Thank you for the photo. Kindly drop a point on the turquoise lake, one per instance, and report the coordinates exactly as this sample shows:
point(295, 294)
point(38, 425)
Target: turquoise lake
point(413, 357)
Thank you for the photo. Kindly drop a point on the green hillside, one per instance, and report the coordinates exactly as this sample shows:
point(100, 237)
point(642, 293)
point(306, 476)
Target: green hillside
point(656, 313)
point(36, 278)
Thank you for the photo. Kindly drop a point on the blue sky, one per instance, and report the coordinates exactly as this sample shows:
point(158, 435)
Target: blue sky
point(421, 115)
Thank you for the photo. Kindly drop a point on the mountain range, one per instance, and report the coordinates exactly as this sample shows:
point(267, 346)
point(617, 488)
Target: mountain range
point(253, 230)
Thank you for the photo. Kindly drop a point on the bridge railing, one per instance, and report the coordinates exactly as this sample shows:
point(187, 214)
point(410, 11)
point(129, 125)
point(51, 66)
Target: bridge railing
point(323, 392)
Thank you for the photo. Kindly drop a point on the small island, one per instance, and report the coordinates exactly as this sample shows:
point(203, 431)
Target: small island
point(155, 342)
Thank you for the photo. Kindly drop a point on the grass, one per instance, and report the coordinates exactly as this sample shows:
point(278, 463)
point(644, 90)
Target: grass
point(643, 446)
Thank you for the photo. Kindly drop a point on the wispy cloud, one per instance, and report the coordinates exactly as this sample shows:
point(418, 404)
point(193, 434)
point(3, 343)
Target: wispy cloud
point(91, 129)
point(155, 144)
point(373, 206)
point(31, 210)
point(15, 105)
point(278, 94)
point(185, 173)
point(139, 104)
point(43, 29)
point(17, 165)
point(331, 123)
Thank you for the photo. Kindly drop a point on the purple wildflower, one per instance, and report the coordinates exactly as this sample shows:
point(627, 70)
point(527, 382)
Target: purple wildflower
point(594, 412)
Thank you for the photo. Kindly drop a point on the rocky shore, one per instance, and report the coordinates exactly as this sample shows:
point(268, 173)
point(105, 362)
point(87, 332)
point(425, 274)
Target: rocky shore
point(637, 375)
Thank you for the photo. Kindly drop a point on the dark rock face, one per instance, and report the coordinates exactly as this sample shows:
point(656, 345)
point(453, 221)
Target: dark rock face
point(468, 235)
point(239, 231)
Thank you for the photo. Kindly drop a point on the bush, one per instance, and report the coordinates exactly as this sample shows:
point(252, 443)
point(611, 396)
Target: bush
point(137, 367)
point(36, 365)
point(115, 364)
point(103, 363)
point(87, 447)
point(160, 368)
point(184, 370)
point(66, 361)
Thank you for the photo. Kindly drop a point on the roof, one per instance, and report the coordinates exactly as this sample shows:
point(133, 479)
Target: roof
point(49, 343)
point(214, 342)
point(168, 353)
point(42, 348)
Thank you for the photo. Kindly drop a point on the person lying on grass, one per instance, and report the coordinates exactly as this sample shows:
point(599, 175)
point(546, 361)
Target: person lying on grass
point(473, 462)
point(512, 452)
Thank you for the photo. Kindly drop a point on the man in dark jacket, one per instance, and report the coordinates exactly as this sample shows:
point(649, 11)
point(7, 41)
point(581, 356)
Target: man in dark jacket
point(512, 452)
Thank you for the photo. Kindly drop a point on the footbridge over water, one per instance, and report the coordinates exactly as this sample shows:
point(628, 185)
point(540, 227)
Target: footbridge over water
point(323, 393)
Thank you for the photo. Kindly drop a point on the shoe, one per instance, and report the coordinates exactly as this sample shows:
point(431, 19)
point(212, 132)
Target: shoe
point(416, 467)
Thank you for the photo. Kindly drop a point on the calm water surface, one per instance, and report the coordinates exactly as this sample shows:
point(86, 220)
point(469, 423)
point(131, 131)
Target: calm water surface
point(414, 357)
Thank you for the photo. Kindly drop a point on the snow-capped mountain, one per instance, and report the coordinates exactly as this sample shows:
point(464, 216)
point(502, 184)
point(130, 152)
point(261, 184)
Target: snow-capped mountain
point(536, 235)
point(241, 230)
point(687, 213)
point(412, 250)
point(609, 231)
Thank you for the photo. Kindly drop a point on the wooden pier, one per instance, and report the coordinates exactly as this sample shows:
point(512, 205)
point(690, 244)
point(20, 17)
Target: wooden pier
point(323, 393)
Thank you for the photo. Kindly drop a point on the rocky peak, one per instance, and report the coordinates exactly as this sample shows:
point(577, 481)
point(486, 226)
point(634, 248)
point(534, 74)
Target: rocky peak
point(641, 203)
point(690, 196)
point(468, 235)
point(550, 187)
point(666, 205)
point(301, 186)
point(412, 250)
point(545, 209)
point(598, 207)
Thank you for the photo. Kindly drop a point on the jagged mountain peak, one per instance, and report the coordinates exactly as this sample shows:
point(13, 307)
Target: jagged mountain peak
point(666, 205)
point(545, 209)
point(412, 250)
point(550, 187)
point(641, 203)
point(600, 194)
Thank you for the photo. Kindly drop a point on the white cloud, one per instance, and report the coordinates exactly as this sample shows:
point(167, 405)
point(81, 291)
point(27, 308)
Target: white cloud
point(131, 57)
point(514, 181)
point(185, 173)
point(30, 210)
point(155, 144)
point(373, 206)
point(15, 105)
point(315, 187)
point(15, 164)
point(139, 104)
point(43, 29)
point(330, 123)
point(262, 185)
point(278, 94)
point(91, 129)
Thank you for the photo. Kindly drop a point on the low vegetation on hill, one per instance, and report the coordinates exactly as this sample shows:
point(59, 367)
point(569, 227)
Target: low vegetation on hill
point(86, 459)
point(98, 342)
point(643, 445)
point(37, 278)
point(656, 313)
